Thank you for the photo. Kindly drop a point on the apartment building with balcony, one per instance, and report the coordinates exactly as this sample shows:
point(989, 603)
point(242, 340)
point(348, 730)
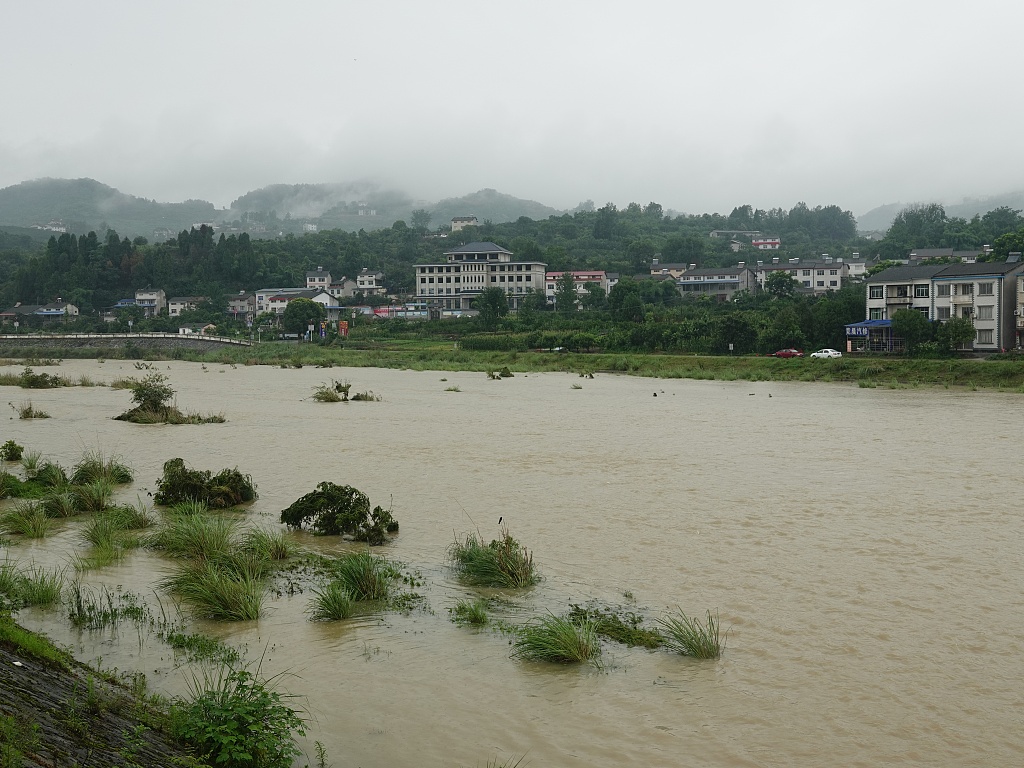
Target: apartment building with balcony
point(990, 294)
point(152, 301)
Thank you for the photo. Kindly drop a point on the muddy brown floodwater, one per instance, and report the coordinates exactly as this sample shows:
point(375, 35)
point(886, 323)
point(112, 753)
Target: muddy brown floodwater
point(863, 546)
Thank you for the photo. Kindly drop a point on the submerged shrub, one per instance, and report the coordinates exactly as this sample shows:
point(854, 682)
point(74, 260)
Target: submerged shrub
point(558, 639)
point(11, 451)
point(227, 488)
point(690, 636)
point(622, 627)
point(502, 563)
point(333, 510)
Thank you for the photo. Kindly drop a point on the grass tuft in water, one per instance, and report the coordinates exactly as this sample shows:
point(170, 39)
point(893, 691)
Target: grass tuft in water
point(558, 639)
point(93, 466)
point(26, 518)
point(331, 603)
point(94, 496)
point(467, 612)
point(216, 592)
point(502, 563)
point(690, 636)
point(268, 545)
point(365, 576)
point(195, 537)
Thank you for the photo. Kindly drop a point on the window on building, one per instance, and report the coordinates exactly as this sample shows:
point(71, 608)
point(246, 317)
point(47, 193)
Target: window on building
point(923, 311)
point(821, 283)
point(966, 289)
point(942, 313)
point(807, 283)
point(984, 335)
point(833, 271)
point(985, 312)
point(985, 289)
point(875, 292)
point(833, 283)
point(807, 273)
point(821, 271)
point(920, 291)
point(942, 290)
point(875, 314)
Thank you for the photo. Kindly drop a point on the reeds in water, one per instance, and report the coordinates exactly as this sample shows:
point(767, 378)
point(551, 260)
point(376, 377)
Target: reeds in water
point(268, 545)
point(558, 639)
point(60, 504)
point(690, 636)
point(502, 563)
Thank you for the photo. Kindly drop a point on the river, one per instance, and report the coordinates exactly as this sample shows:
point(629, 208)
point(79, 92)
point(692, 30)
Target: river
point(862, 546)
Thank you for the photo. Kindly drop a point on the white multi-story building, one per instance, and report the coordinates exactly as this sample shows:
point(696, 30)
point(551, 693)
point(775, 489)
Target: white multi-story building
point(152, 301)
point(720, 283)
point(178, 304)
point(764, 243)
point(370, 282)
point(472, 268)
point(580, 278)
point(318, 278)
point(816, 275)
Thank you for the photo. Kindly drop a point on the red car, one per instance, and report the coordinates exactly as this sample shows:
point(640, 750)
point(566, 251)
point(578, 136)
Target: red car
point(787, 353)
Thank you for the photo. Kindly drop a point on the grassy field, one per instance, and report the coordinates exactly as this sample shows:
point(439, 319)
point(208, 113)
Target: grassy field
point(441, 355)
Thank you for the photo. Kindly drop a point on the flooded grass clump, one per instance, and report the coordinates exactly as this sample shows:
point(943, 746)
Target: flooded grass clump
point(102, 608)
point(217, 590)
point(28, 411)
point(267, 545)
point(60, 504)
point(365, 576)
point(331, 602)
point(28, 519)
point(94, 496)
point(557, 639)
point(199, 647)
point(93, 466)
point(624, 627)
point(690, 636)
point(34, 586)
point(195, 537)
point(502, 563)
point(470, 612)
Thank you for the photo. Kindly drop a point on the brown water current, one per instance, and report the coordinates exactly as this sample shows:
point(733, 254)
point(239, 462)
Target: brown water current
point(863, 546)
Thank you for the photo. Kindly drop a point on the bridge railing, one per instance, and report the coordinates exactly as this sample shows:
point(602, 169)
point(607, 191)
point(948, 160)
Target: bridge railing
point(178, 336)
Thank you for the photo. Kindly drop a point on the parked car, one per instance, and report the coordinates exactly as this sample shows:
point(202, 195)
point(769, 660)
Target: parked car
point(787, 353)
point(827, 353)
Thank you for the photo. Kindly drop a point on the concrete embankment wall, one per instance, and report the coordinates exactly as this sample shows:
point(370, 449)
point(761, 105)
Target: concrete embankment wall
point(37, 344)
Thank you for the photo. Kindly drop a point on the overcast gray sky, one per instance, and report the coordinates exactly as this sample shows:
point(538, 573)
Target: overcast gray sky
point(697, 106)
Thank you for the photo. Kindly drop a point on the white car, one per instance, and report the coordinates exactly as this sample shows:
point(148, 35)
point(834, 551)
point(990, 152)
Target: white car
point(827, 353)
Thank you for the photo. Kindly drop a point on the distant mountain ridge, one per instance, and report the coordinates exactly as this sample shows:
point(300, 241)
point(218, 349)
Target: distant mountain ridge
point(81, 205)
point(85, 204)
point(880, 219)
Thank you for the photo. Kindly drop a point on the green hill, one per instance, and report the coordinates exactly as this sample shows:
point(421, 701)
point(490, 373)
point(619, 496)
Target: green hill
point(489, 205)
point(85, 204)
